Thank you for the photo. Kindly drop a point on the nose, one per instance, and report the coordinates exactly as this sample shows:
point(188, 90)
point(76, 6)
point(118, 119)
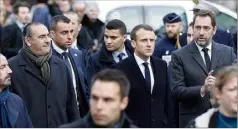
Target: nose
point(108, 40)
point(99, 105)
point(9, 71)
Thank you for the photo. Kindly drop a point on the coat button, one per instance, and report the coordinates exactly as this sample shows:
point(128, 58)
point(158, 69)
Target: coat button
point(49, 106)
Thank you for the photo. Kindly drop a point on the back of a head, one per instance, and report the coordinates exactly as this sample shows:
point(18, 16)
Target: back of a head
point(114, 75)
point(75, 14)
point(56, 19)
point(138, 27)
point(116, 24)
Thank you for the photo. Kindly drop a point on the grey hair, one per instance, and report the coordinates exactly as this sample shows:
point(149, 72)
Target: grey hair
point(90, 5)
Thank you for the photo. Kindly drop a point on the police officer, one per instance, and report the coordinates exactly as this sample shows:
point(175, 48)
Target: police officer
point(173, 38)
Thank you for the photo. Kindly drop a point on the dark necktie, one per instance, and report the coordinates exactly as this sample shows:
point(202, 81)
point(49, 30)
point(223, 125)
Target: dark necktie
point(66, 60)
point(120, 56)
point(147, 76)
point(207, 59)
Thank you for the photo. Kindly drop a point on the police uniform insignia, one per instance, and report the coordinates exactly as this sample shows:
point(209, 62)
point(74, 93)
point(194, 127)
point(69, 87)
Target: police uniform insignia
point(167, 52)
point(196, 1)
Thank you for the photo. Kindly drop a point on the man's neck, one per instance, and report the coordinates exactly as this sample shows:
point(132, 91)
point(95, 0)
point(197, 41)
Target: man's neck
point(227, 114)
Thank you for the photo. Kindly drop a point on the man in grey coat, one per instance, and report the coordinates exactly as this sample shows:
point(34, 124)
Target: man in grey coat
point(192, 67)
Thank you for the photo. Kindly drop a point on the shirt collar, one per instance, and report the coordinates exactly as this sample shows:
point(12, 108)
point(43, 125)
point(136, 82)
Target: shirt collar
point(116, 53)
point(20, 25)
point(209, 47)
point(58, 49)
point(140, 61)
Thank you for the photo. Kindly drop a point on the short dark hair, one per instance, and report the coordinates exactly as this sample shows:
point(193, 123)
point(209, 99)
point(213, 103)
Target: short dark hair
point(114, 75)
point(138, 27)
point(117, 24)
point(204, 13)
point(56, 19)
point(27, 31)
point(18, 5)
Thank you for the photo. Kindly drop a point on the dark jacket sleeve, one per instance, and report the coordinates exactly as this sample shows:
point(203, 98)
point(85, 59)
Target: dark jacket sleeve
point(71, 107)
point(178, 85)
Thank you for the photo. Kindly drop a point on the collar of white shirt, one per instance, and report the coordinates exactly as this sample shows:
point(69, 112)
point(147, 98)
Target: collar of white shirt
point(116, 53)
point(58, 49)
point(209, 47)
point(139, 61)
point(20, 25)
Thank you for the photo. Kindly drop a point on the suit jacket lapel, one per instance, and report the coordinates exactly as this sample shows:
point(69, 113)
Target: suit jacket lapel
point(215, 55)
point(137, 72)
point(197, 57)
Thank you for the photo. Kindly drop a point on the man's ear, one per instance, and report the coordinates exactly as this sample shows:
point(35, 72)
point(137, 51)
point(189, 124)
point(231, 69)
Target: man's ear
point(133, 43)
point(27, 41)
point(214, 30)
point(124, 37)
point(124, 103)
point(80, 26)
point(52, 34)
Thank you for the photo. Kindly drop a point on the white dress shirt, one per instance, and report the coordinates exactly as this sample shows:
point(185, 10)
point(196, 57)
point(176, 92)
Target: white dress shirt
point(209, 47)
point(140, 62)
point(116, 53)
point(60, 51)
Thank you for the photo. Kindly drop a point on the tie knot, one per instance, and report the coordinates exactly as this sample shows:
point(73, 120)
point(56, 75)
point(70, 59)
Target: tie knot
point(121, 55)
point(205, 50)
point(145, 64)
point(65, 54)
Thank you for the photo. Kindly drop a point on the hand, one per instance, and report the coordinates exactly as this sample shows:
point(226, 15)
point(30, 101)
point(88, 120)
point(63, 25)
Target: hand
point(209, 82)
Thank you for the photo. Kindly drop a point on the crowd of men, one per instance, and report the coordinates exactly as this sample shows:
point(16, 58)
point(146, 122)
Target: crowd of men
point(53, 76)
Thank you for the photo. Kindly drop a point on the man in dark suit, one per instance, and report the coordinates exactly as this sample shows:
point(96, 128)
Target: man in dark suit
point(12, 34)
point(42, 80)
point(150, 104)
point(109, 99)
point(192, 67)
point(62, 31)
point(116, 48)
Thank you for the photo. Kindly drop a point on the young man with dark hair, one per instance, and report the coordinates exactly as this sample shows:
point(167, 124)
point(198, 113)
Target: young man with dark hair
point(62, 32)
point(12, 34)
point(115, 49)
point(150, 104)
point(109, 98)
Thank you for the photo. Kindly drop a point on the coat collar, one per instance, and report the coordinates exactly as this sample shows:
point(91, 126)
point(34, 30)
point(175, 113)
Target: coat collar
point(198, 58)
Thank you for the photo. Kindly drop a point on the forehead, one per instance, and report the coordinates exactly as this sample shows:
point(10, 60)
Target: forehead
point(172, 24)
point(3, 60)
point(23, 9)
point(113, 32)
point(143, 34)
point(105, 89)
point(38, 30)
point(203, 21)
point(64, 26)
